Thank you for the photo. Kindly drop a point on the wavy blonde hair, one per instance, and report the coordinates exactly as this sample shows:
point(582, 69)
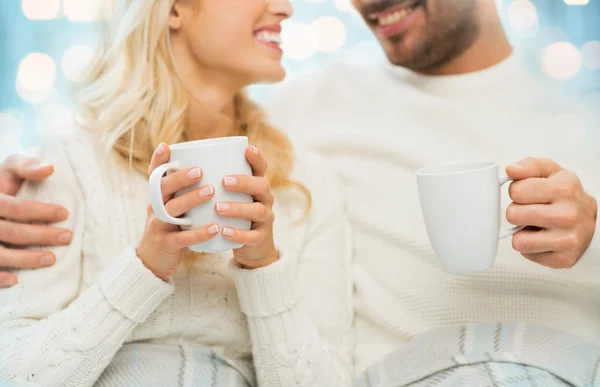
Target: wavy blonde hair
point(134, 97)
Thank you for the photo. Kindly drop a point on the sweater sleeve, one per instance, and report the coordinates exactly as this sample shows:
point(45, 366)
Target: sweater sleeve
point(51, 332)
point(300, 308)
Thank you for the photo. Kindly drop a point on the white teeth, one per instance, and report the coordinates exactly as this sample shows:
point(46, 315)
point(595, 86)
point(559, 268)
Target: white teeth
point(394, 17)
point(269, 37)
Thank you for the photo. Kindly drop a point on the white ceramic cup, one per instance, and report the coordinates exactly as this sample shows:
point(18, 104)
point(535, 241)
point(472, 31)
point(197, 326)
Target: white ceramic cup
point(460, 203)
point(217, 157)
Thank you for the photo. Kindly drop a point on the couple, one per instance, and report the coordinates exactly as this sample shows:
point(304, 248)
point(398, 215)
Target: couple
point(101, 313)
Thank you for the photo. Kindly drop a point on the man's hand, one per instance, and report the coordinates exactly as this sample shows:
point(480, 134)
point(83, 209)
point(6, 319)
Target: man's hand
point(551, 200)
point(15, 213)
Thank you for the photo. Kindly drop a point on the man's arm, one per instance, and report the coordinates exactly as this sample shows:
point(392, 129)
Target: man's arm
point(17, 216)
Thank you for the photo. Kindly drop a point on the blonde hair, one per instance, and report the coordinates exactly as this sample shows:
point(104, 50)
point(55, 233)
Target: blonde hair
point(134, 97)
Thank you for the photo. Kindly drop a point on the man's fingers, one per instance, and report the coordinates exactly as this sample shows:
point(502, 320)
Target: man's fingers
point(533, 190)
point(552, 260)
point(161, 155)
point(33, 235)
point(558, 215)
point(532, 167)
point(533, 241)
point(25, 259)
point(31, 211)
point(7, 279)
point(27, 168)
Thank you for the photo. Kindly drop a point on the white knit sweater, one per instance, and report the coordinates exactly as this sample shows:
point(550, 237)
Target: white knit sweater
point(62, 325)
point(377, 126)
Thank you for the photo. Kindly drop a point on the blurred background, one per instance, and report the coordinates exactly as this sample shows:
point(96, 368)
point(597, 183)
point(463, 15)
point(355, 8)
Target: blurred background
point(45, 43)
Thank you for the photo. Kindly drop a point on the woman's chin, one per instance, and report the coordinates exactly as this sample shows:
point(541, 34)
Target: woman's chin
point(273, 75)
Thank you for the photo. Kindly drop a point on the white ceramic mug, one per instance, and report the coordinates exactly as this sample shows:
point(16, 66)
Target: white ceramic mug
point(217, 157)
point(460, 203)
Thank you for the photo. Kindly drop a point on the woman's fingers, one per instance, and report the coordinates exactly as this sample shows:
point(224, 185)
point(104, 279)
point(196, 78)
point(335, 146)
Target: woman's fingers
point(161, 155)
point(257, 187)
point(181, 239)
point(257, 161)
point(246, 238)
point(179, 180)
point(255, 212)
point(182, 204)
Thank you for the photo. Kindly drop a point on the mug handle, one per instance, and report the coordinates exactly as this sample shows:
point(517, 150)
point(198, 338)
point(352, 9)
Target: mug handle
point(156, 200)
point(503, 179)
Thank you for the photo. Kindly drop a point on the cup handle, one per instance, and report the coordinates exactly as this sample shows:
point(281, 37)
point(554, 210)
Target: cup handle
point(156, 200)
point(503, 179)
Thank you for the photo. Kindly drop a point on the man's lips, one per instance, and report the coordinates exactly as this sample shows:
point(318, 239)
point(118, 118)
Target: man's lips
point(375, 15)
point(394, 19)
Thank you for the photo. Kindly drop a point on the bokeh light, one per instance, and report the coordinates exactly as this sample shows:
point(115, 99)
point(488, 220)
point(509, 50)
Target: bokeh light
point(75, 60)
point(344, 5)
point(300, 41)
point(591, 55)
point(40, 9)
point(522, 14)
point(577, 2)
point(36, 77)
point(54, 118)
point(331, 33)
point(84, 10)
point(561, 60)
point(10, 134)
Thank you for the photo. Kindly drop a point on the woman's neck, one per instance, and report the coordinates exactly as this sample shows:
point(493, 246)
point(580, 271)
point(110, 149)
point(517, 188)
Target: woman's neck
point(204, 121)
point(211, 110)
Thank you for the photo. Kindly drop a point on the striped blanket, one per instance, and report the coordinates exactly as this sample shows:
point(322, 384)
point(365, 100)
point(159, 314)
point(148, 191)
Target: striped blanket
point(490, 355)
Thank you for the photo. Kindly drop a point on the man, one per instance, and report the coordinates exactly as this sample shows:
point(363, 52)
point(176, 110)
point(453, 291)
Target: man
point(14, 171)
point(454, 90)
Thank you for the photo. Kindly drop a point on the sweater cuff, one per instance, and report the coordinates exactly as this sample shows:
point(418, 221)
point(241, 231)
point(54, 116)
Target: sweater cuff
point(132, 289)
point(592, 255)
point(267, 291)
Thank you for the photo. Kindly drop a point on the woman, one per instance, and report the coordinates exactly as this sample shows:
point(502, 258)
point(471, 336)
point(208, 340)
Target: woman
point(126, 304)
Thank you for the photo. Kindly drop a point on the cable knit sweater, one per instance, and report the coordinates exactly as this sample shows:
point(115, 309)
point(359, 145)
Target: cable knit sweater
point(377, 126)
point(287, 324)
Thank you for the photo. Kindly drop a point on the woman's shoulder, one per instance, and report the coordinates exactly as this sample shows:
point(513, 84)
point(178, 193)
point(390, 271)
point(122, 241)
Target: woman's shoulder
point(77, 154)
point(70, 143)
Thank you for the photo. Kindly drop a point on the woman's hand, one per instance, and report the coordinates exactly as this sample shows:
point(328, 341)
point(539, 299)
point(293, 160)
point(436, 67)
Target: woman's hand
point(259, 248)
point(162, 245)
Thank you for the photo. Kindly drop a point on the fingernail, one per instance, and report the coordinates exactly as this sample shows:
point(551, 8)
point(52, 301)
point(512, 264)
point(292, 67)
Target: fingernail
point(46, 260)
point(254, 149)
point(62, 213)
point(39, 166)
point(8, 282)
point(194, 173)
point(230, 181)
point(223, 206)
point(227, 232)
point(517, 166)
point(212, 230)
point(206, 191)
point(65, 237)
point(161, 149)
